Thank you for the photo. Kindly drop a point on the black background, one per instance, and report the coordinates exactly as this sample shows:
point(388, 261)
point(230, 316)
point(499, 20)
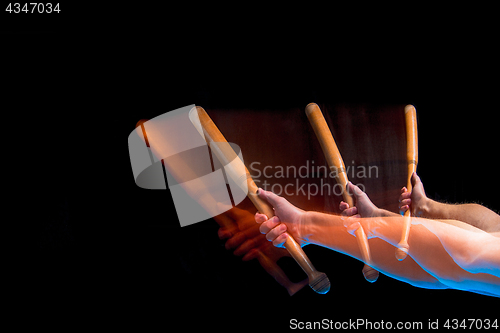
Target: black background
point(94, 249)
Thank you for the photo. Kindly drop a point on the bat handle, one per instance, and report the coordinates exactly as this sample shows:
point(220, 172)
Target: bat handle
point(317, 281)
point(370, 273)
point(403, 247)
point(275, 271)
point(300, 256)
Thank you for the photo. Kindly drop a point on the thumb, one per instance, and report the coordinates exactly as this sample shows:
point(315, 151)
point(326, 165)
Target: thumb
point(354, 190)
point(269, 196)
point(415, 179)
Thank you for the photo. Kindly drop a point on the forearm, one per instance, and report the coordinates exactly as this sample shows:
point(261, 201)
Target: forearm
point(329, 231)
point(457, 254)
point(473, 214)
point(435, 249)
point(473, 249)
point(382, 212)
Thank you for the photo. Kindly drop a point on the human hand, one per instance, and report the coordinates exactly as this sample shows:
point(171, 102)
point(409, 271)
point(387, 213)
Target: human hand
point(237, 227)
point(363, 206)
point(355, 217)
point(416, 198)
point(288, 218)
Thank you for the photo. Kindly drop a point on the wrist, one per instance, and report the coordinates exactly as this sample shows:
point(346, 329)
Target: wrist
point(425, 208)
point(322, 229)
point(306, 226)
point(383, 213)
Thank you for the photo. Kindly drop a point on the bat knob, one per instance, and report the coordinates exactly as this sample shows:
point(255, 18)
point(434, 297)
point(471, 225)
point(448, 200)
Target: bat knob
point(319, 282)
point(402, 251)
point(370, 274)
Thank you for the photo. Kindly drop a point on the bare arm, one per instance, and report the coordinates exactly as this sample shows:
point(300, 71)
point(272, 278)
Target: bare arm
point(422, 206)
point(442, 254)
point(329, 231)
point(473, 214)
point(458, 255)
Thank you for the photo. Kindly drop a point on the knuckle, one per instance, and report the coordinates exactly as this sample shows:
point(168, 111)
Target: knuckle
point(279, 241)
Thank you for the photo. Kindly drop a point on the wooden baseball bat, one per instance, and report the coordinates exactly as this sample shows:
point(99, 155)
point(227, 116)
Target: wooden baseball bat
point(235, 169)
point(412, 159)
point(183, 172)
point(336, 164)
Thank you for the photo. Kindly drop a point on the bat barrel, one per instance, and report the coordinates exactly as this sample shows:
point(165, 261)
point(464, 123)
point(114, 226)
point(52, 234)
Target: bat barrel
point(329, 147)
point(317, 280)
point(336, 164)
point(412, 160)
point(411, 135)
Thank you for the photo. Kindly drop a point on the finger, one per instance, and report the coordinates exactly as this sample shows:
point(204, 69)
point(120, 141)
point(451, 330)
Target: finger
point(249, 244)
point(275, 232)
point(403, 209)
point(265, 248)
point(252, 254)
point(259, 218)
point(405, 202)
point(225, 233)
point(242, 236)
point(404, 189)
point(272, 198)
point(350, 212)
point(265, 227)
point(343, 206)
point(280, 240)
point(235, 240)
point(406, 195)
